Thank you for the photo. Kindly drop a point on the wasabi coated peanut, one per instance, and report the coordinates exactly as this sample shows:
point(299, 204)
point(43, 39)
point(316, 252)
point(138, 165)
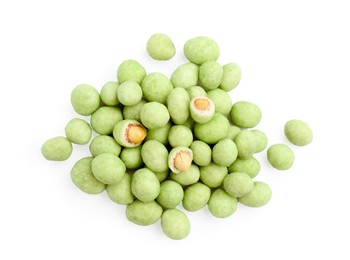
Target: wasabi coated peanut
point(85, 99)
point(232, 132)
point(188, 177)
point(133, 112)
point(129, 93)
point(261, 140)
point(104, 119)
point(201, 153)
point(196, 91)
point(178, 105)
point(180, 135)
point(238, 184)
point(109, 93)
point(280, 156)
point(171, 194)
point(231, 76)
point(78, 131)
point(185, 76)
point(298, 132)
point(212, 131)
point(121, 193)
point(156, 87)
point(225, 152)
point(202, 109)
point(175, 224)
point(180, 159)
point(143, 213)
point(259, 196)
point(162, 175)
point(154, 115)
point(210, 74)
point(145, 185)
point(159, 134)
point(246, 144)
point(104, 144)
point(129, 133)
point(160, 47)
point(57, 149)
point(108, 168)
point(250, 166)
point(221, 100)
point(131, 157)
point(213, 175)
point(201, 49)
point(130, 70)
point(82, 177)
point(221, 204)
point(155, 156)
point(189, 123)
point(245, 114)
point(196, 196)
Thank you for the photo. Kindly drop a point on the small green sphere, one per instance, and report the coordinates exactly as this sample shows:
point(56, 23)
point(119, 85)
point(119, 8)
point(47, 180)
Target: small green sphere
point(231, 76)
point(57, 149)
point(104, 119)
point(78, 131)
point(225, 152)
point(185, 76)
point(261, 140)
point(85, 99)
point(221, 99)
point(154, 115)
point(245, 114)
point(213, 175)
point(145, 185)
point(250, 166)
point(171, 194)
point(238, 184)
point(221, 204)
point(143, 213)
point(210, 74)
point(188, 177)
point(130, 70)
point(131, 157)
point(160, 47)
point(104, 144)
point(201, 153)
point(212, 131)
point(159, 134)
point(201, 49)
point(196, 196)
point(129, 93)
point(156, 87)
point(180, 135)
point(155, 156)
point(133, 112)
point(120, 192)
point(109, 93)
point(298, 132)
point(280, 156)
point(175, 224)
point(246, 144)
point(108, 168)
point(259, 196)
point(177, 103)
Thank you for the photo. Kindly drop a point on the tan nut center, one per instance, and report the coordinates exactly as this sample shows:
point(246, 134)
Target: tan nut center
point(201, 103)
point(182, 161)
point(135, 134)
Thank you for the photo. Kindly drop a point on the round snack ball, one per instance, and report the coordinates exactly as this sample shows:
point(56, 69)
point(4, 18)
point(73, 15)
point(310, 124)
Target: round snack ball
point(196, 196)
point(129, 133)
point(170, 195)
point(83, 178)
point(154, 115)
point(108, 168)
point(133, 112)
point(201, 153)
point(180, 159)
point(130, 70)
point(145, 185)
point(232, 132)
point(280, 156)
point(178, 105)
point(162, 175)
point(202, 109)
point(221, 204)
point(104, 119)
point(189, 123)
point(188, 177)
point(109, 93)
point(160, 47)
point(259, 196)
point(246, 144)
point(298, 132)
point(225, 152)
point(155, 156)
point(185, 76)
point(104, 144)
point(143, 213)
point(159, 134)
point(231, 76)
point(201, 49)
point(238, 184)
point(156, 87)
point(261, 140)
point(245, 114)
point(196, 91)
point(175, 224)
point(180, 135)
point(121, 193)
point(57, 149)
point(250, 166)
point(210, 74)
point(85, 99)
point(129, 93)
point(221, 100)
point(212, 131)
point(78, 131)
point(131, 157)
point(213, 175)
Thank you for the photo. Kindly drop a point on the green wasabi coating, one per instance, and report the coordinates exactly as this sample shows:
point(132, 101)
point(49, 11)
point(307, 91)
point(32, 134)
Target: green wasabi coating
point(180, 135)
point(201, 49)
point(154, 115)
point(210, 74)
point(159, 134)
point(57, 149)
point(122, 136)
point(202, 109)
point(178, 105)
point(280, 156)
point(245, 114)
point(85, 99)
point(78, 131)
point(246, 144)
point(212, 131)
point(238, 184)
point(109, 93)
point(261, 140)
point(160, 47)
point(82, 177)
point(189, 123)
point(232, 132)
point(104, 119)
point(143, 213)
point(231, 76)
point(133, 112)
point(298, 132)
point(250, 166)
point(171, 194)
point(129, 93)
point(221, 100)
point(201, 153)
point(108, 168)
point(156, 87)
point(121, 193)
point(221, 204)
point(225, 152)
point(196, 91)
point(104, 144)
point(131, 157)
point(175, 224)
point(155, 156)
point(213, 175)
point(145, 185)
point(259, 196)
point(188, 177)
point(162, 175)
point(130, 70)
point(185, 76)
point(196, 196)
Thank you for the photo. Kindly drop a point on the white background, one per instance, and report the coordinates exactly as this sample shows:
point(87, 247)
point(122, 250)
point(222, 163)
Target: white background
point(295, 60)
